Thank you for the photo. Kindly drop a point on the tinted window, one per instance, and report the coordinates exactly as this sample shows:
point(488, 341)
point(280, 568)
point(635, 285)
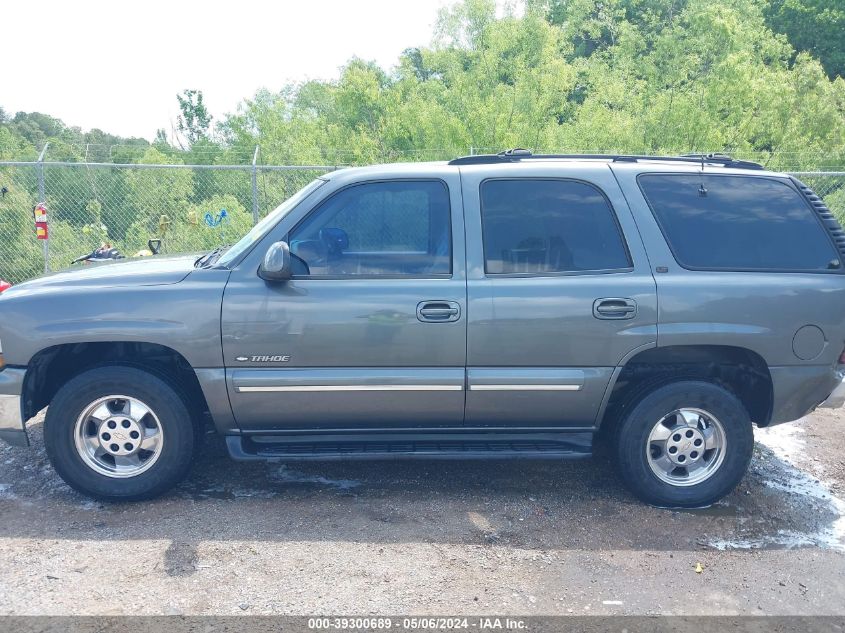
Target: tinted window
point(380, 228)
point(540, 226)
point(737, 222)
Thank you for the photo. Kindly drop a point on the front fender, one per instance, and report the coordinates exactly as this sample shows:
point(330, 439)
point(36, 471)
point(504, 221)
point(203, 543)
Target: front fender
point(183, 316)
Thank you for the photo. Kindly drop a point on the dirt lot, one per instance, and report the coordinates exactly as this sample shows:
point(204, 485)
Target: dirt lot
point(431, 538)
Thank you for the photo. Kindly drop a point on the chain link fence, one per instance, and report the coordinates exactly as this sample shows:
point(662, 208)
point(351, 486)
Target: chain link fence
point(189, 208)
point(830, 185)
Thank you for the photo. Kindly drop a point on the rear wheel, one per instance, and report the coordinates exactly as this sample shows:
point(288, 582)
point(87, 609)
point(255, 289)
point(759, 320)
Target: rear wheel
point(685, 444)
point(119, 433)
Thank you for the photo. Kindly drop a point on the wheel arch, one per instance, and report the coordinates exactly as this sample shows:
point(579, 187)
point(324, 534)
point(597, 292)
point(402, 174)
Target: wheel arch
point(740, 370)
point(53, 366)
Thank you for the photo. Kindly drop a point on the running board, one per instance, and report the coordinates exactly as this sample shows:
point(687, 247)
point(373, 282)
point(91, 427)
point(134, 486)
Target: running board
point(574, 446)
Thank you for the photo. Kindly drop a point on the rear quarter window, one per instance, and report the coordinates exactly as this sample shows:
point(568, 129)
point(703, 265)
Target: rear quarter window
point(714, 222)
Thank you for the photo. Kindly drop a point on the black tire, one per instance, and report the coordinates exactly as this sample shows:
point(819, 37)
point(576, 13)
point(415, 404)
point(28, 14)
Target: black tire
point(169, 406)
point(633, 436)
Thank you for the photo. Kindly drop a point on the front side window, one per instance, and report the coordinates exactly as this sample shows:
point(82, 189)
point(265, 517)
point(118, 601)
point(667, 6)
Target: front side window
point(548, 226)
point(737, 223)
point(390, 228)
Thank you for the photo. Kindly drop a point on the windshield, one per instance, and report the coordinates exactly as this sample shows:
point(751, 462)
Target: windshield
point(260, 230)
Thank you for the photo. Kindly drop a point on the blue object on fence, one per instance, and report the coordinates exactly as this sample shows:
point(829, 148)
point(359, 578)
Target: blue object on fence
point(214, 221)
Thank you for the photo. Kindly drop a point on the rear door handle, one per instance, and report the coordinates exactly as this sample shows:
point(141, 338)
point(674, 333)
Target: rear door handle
point(614, 308)
point(438, 311)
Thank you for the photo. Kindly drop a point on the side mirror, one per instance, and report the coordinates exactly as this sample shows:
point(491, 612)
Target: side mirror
point(276, 264)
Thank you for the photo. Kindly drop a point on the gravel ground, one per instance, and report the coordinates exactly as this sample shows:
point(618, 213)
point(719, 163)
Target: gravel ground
point(530, 538)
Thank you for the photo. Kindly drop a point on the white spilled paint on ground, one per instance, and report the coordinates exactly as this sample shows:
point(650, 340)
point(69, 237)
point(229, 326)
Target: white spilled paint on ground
point(784, 538)
point(786, 441)
point(6, 492)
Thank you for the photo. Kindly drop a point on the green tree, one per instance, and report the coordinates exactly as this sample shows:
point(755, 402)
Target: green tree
point(630, 76)
point(153, 193)
point(194, 121)
point(814, 26)
point(20, 253)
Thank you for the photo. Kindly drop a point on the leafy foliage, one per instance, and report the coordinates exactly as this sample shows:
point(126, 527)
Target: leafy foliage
point(813, 26)
point(194, 120)
point(620, 75)
point(754, 78)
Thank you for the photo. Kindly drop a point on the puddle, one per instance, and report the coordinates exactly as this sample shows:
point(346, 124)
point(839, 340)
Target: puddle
point(289, 476)
point(222, 492)
point(289, 479)
point(786, 442)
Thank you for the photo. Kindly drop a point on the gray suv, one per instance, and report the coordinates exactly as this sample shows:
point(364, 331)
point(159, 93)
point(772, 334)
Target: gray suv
point(497, 306)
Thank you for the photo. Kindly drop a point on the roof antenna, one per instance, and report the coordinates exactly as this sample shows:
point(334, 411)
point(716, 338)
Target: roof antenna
point(702, 190)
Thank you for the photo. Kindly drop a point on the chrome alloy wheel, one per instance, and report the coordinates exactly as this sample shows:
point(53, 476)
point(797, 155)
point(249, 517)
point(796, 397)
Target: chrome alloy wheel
point(118, 436)
point(686, 447)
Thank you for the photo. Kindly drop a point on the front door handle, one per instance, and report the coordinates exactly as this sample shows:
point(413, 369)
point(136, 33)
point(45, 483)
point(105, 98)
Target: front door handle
point(614, 308)
point(438, 311)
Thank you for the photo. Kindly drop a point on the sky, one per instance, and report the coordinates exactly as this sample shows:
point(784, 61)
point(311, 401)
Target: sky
point(118, 65)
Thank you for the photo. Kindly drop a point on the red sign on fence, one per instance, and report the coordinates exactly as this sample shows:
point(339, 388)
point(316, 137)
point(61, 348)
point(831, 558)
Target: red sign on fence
point(40, 213)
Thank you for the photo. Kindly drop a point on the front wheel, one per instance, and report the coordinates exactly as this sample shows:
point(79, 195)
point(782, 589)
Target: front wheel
point(686, 444)
point(119, 433)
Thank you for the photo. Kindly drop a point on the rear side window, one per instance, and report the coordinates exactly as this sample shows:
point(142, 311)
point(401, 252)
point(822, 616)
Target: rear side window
point(737, 223)
point(548, 226)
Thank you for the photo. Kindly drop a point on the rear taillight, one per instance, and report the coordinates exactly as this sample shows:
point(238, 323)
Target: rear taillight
point(842, 358)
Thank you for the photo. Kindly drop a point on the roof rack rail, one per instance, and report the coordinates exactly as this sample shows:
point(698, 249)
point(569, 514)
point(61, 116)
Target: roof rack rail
point(518, 154)
point(723, 159)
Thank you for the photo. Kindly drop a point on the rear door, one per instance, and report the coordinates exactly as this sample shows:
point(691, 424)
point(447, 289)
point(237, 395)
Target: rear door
point(371, 333)
point(559, 292)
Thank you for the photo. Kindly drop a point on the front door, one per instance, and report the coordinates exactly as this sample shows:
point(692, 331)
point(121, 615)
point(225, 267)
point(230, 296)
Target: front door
point(559, 292)
point(371, 332)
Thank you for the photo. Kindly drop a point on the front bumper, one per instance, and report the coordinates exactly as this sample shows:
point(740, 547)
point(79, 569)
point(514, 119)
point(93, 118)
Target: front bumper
point(12, 424)
point(836, 398)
